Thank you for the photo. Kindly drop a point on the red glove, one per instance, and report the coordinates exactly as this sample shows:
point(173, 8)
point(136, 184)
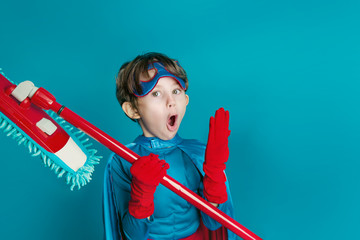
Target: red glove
point(216, 154)
point(147, 172)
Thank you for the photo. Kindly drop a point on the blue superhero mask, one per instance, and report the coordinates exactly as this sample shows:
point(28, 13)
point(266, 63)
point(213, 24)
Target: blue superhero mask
point(160, 71)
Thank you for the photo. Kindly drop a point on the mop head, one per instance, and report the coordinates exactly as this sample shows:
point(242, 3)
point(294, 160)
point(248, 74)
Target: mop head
point(77, 178)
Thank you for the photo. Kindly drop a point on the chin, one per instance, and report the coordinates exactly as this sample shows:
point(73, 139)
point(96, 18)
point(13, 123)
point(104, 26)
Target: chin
point(168, 136)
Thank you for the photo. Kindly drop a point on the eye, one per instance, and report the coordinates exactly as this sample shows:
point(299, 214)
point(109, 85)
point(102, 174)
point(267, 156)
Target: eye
point(156, 94)
point(177, 91)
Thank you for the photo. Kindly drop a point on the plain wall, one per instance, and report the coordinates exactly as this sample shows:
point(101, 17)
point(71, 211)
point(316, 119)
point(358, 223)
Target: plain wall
point(288, 72)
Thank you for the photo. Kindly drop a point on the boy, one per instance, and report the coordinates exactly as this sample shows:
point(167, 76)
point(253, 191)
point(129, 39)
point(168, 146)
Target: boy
point(151, 91)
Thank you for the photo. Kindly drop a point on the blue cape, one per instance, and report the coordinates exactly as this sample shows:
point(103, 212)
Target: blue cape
point(112, 222)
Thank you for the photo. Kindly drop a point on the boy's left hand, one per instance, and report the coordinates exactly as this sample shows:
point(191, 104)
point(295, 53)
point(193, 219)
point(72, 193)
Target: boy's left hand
point(216, 154)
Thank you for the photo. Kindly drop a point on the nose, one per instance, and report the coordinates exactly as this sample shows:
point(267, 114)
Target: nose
point(170, 101)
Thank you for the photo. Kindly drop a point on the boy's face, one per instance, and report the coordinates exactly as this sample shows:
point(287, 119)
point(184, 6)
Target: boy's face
point(162, 110)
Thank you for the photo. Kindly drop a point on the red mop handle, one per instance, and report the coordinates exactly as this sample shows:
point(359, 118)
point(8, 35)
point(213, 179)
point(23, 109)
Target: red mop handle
point(45, 100)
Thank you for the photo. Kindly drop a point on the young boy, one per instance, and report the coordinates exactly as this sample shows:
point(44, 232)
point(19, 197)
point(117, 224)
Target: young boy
point(151, 90)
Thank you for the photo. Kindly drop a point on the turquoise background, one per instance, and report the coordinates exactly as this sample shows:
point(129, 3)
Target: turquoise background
point(288, 72)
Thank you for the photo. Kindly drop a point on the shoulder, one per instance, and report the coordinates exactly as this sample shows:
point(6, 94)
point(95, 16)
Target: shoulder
point(194, 143)
point(194, 149)
point(118, 165)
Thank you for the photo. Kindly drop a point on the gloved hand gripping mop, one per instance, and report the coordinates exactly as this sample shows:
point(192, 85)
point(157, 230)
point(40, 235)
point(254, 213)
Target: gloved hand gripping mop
point(36, 98)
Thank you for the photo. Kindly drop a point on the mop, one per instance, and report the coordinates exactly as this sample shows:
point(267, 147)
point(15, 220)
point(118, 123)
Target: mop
point(23, 115)
point(63, 148)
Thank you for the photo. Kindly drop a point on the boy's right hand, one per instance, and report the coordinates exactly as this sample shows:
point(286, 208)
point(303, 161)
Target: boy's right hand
point(147, 172)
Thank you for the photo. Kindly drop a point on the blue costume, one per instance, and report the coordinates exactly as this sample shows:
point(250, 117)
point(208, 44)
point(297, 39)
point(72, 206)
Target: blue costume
point(174, 217)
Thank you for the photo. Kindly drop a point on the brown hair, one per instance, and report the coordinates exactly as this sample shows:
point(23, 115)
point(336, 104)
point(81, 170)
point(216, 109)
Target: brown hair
point(128, 78)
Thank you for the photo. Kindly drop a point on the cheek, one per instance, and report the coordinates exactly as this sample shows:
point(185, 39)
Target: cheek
point(153, 114)
point(183, 103)
point(183, 99)
point(182, 110)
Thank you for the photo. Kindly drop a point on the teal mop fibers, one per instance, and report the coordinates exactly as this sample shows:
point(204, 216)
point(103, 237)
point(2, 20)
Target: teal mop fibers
point(76, 179)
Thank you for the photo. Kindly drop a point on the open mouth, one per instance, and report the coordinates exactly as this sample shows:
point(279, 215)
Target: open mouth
point(171, 123)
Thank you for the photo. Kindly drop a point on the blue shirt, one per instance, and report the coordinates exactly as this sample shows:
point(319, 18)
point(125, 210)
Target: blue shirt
point(173, 217)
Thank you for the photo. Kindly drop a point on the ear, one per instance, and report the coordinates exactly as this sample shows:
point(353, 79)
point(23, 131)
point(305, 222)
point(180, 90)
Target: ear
point(187, 99)
point(130, 111)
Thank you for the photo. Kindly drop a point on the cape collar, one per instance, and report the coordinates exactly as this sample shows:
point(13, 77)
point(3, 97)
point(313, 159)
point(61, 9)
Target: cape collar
point(154, 142)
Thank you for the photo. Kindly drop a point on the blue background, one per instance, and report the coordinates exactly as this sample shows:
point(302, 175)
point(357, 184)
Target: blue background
point(288, 72)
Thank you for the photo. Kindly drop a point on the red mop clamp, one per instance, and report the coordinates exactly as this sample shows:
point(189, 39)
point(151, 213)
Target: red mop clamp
point(44, 99)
